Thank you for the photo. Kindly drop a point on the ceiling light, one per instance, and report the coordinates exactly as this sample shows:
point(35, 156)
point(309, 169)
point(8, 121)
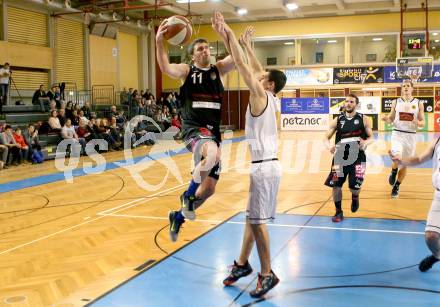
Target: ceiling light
point(437, 40)
point(332, 41)
point(433, 48)
point(435, 34)
point(191, 1)
point(291, 6)
point(377, 39)
point(289, 43)
point(241, 11)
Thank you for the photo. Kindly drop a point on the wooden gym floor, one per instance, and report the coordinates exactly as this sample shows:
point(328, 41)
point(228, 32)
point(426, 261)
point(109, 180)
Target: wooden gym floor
point(65, 244)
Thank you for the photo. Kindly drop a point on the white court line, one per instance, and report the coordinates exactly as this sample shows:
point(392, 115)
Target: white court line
point(278, 225)
point(100, 216)
point(58, 232)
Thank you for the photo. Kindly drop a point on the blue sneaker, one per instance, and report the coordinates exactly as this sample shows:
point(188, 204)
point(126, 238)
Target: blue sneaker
point(187, 203)
point(175, 222)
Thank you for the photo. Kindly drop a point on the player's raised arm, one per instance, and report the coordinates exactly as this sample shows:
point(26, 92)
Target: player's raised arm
point(246, 42)
point(255, 88)
point(175, 71)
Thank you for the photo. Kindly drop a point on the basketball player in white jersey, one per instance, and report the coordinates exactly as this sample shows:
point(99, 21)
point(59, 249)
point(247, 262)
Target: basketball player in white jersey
point(261, 134)
point(406, 115)
point(432, 229)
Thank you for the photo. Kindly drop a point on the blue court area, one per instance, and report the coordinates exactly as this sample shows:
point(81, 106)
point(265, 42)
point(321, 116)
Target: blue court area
point(359, 262)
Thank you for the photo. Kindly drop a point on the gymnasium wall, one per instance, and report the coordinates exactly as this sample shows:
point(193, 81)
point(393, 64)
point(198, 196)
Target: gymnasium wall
point(103, 61)
point(128, 60)
point(45, 49)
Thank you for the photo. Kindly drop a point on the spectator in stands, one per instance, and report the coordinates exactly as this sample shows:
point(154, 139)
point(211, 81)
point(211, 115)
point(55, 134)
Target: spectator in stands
point(24, 148)
point(86, 109)
point(116, 132)
point(101, 133)
point(69, 110)
point(75, 118)
point(175, 122)
point(57, 97)
point(83, 130)
point(166, 117)
point(52, 106)
point(5, 74)
point(120, 119)
point(31, 138)
point(62, 117)
point(54, 122)
point(4, 154)
point(138, 104)
point(82, 117)
point(68, 132)
point(40, 99)
point(37, 155)
point(13, 147)
point(123, 97)
point(113, 111)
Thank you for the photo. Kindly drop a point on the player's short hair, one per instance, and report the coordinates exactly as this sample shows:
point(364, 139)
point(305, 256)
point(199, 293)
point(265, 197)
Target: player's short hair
point(193, 43)
point(354, 96)
point(406, 79)
point(278, 77)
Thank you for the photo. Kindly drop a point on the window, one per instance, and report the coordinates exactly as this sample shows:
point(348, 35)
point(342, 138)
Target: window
point(376, 48)
point(322, 51)
point(434, 45)
point(280, 52)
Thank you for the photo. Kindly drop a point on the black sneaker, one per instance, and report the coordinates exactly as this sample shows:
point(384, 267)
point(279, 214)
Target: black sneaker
point(175, 223)
point(354, 204)
point(395, 191)
point(338, 217)
point(427, 263)
point(187, 203)
point(392, 178)
point(264, 284)
point(237, 272)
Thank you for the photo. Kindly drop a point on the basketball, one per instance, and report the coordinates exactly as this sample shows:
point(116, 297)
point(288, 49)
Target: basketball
point(179, 30)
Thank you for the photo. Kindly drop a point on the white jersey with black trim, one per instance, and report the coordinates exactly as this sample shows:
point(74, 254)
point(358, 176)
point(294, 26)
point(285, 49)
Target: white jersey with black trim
point(261, 131)
point(406, 112)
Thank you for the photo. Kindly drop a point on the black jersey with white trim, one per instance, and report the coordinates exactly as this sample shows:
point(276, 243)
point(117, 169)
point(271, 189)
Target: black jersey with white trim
point(202, 96)
point(350, 130)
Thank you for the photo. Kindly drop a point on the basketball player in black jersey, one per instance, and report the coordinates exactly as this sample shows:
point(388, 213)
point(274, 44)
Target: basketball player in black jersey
point(202, 95)
point(353, 135)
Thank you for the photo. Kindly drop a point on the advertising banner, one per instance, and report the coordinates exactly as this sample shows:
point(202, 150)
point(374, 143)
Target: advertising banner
point(357, 75)
point(369, 105)
point(336, 103)
point(428, 103)
point(305, 105)
point(305, 122)
point(437, 122)
point(390, 75)
point(309, 76)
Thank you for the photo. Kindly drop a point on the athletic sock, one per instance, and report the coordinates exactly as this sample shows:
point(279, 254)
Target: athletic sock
point(192, 188)
point(338, 205)
point(397, 183)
